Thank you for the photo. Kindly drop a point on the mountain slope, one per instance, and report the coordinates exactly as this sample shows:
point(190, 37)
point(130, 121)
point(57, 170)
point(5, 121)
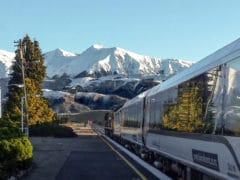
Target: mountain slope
point(100, 61)
point(6, 61)
point(114, 72)
point(56, 59)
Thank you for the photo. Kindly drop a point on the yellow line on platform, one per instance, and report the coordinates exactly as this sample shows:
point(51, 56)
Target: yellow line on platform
point(124, 159)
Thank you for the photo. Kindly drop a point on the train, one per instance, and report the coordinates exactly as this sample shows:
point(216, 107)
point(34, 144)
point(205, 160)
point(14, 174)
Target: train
point(189, 125)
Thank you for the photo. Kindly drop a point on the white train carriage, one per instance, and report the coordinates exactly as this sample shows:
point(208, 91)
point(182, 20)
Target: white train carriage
point(190, 124)
point(194, 117)
point(131, 120)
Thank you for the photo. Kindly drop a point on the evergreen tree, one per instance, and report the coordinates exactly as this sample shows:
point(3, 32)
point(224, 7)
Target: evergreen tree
point(30, 62)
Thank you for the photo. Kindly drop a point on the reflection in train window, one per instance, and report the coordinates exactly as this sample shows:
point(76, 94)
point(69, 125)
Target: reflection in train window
point(189, 107)
point(131, 118)
point(231, 115)
point(208, 103)
point(192, 110)
point(156, 104)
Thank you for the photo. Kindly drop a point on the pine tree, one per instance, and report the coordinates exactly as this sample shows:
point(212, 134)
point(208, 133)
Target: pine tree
point(32, 64)
point(38, 108)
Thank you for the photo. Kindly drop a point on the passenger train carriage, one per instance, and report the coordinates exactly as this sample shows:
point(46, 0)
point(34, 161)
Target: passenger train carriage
point(189, 125)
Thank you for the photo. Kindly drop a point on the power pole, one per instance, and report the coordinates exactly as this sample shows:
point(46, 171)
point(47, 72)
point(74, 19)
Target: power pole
point(21, 46)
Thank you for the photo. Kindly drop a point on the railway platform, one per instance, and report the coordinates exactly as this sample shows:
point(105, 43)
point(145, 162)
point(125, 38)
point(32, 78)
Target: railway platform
point(88, 156)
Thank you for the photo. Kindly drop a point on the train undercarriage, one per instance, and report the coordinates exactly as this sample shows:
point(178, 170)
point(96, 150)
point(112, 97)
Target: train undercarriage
point(167, 165)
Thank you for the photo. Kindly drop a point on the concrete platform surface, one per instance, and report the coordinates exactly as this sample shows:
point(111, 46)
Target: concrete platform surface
point(83, 157)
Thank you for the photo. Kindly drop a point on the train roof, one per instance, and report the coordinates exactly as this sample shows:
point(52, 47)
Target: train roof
point(221, 56)
point(136, 98)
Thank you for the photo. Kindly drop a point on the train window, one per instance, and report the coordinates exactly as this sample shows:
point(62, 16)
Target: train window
point(192, 109)
point(208, 103)
point(131, 119)
point(235, 64)
point(123, 118)
point(156, 105)
point(231, 104)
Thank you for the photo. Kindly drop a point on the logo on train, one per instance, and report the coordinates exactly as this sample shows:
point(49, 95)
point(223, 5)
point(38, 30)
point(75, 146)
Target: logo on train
point(207, 159)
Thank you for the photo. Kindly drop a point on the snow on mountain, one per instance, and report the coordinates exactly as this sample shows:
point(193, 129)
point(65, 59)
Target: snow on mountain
point(114, 72)
point(57, 59)
point(54, 94)
point(6, 61)
point(99, 60)
point(103, 61)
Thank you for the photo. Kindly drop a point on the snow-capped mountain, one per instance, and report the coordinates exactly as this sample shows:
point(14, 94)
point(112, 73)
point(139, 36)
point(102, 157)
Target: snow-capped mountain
point(101, 69)
point(110, 71)
point(6, 61)
point(99, 61)
point(56, 60)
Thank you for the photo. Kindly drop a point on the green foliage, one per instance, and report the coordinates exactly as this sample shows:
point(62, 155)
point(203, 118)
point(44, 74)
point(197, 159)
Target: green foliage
point(12, 108)
point(38, 107)
point(52, 128)
point(16, 150)
point(8, 130)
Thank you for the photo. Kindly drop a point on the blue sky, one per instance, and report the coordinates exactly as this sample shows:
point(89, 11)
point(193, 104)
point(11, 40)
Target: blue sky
point(185, 29)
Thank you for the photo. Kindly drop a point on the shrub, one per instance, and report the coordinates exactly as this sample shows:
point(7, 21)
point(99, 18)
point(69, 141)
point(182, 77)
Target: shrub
point(51, 129)
point(15, 150)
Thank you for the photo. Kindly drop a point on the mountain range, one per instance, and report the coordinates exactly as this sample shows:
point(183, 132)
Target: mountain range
point(98, 60)
point(109, 71)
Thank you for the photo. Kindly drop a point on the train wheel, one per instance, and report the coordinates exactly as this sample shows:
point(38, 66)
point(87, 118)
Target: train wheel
point(150, 157)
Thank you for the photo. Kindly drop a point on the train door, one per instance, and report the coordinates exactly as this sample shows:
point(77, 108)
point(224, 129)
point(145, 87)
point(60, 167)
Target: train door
point(145, 124)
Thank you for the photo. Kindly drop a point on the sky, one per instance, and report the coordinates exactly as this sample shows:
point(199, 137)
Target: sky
point(184, 29)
